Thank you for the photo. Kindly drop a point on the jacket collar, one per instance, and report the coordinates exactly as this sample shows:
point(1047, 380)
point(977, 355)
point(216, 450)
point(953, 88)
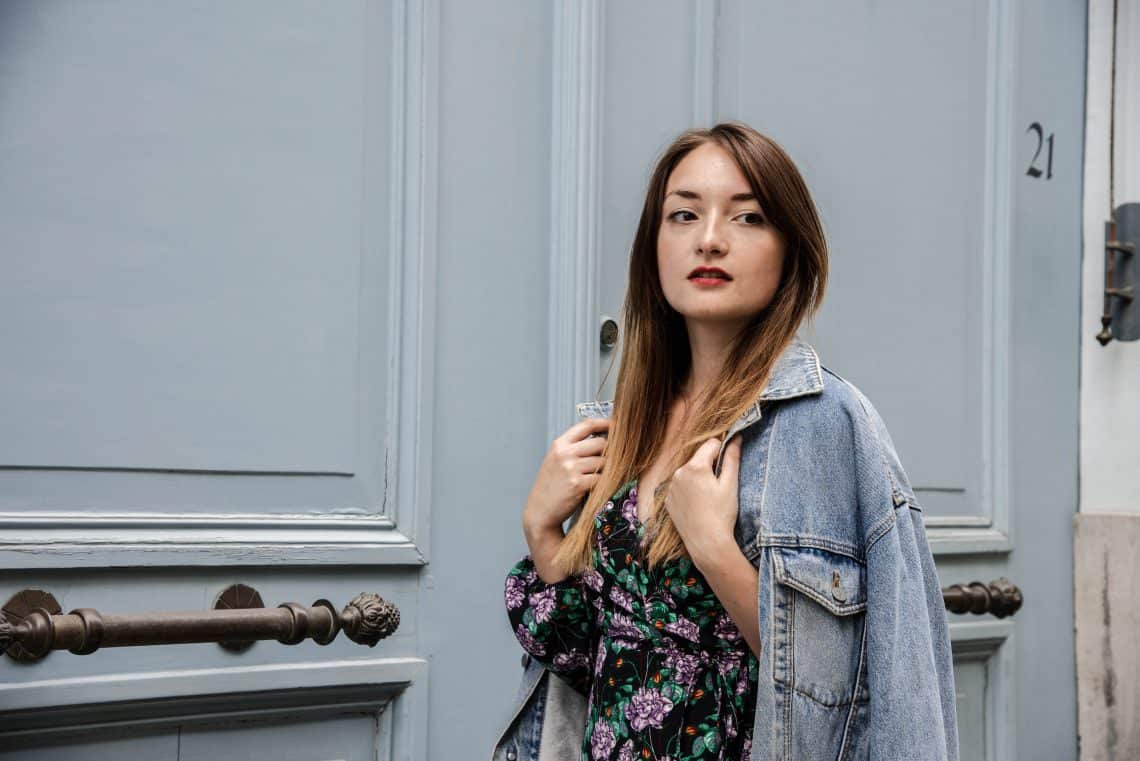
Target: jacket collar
point(796, 372)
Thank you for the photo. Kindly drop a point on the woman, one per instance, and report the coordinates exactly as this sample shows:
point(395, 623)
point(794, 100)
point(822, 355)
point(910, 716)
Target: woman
point(761, 596)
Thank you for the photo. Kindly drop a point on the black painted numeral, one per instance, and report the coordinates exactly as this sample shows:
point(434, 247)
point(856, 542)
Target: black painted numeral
point(1033, 170)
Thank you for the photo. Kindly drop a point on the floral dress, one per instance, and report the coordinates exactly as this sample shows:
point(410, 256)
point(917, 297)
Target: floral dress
point(667, 673)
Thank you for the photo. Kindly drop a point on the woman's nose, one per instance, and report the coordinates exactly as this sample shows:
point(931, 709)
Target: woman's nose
point(712, 236)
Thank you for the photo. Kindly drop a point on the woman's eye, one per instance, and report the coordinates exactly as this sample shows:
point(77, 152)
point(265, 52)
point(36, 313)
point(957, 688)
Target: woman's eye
point(753, 217)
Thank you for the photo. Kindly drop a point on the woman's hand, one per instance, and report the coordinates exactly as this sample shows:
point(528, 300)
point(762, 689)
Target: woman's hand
point(565, 476)
point(702, 506)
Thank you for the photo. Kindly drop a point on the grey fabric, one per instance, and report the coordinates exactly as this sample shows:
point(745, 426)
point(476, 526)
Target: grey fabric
point(565, 723)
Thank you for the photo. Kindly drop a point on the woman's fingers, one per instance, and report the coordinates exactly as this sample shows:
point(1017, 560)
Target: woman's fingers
point(591, 464)
point(584, 428)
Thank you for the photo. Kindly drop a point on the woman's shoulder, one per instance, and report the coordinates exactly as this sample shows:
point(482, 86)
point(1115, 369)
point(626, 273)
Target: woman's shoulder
point(839, 402)
point(841, 427)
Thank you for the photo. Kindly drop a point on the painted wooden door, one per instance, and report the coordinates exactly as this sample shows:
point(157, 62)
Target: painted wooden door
point(275, 274)
point(942, 143)
point(211, 371)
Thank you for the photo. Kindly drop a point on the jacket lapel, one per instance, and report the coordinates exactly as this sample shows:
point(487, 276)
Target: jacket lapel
point(796, 373)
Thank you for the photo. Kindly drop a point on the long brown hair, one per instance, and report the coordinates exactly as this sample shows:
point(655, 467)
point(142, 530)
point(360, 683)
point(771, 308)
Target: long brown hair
point(655, 355)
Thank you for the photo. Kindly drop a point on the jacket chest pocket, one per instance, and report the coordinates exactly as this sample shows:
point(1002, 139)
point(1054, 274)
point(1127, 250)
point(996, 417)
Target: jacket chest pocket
point(819, 615)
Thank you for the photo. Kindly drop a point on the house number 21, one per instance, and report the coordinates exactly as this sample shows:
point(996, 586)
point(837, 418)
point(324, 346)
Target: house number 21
point(1034, 170)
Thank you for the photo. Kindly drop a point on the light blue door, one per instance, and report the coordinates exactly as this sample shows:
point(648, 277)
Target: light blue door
point(943, 144)
point(295, 294)
point(208, 377)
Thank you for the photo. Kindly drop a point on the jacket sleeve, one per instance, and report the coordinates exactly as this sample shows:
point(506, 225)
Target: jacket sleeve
point(910, 666)
point(552, 622)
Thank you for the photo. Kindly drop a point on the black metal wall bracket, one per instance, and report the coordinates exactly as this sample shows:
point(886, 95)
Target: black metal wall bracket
point(1120, 318)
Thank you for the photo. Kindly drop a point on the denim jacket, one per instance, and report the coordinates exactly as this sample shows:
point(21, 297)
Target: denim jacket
point(855, 656)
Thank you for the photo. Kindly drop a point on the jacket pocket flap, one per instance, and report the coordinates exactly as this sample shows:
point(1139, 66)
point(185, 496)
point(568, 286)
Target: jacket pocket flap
point(837, 582)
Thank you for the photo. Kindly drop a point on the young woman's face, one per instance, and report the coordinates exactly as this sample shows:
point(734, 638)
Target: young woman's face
point(711, 219)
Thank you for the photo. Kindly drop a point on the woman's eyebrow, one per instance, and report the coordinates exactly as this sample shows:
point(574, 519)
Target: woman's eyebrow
point(697, 196)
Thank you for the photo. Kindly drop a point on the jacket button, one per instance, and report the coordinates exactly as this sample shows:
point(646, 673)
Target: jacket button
point(525, 659)
point(511, 755)
point(837, 587)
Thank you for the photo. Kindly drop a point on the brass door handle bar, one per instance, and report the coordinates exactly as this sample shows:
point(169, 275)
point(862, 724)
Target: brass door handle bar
point(31, 625)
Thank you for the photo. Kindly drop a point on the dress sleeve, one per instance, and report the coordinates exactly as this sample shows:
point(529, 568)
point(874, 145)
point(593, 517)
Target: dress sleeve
point(553, 622)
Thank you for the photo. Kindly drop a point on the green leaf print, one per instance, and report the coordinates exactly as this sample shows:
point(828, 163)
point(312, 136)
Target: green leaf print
point(711, 740)
point(699, 746)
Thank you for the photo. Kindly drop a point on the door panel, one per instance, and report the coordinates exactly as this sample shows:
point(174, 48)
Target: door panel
point(157, 746)
point(342, 739)
point(912, 126)
point(252, 332)
point(203, 211)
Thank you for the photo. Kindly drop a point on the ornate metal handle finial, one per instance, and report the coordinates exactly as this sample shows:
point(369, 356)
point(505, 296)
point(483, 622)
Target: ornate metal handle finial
point(1001, 598)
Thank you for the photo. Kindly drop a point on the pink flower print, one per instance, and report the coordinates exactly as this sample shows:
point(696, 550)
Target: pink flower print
point(726, 629)
point(623, 644)
point(514, 592)
point(543, 603)
point(647, 708)
point(603, 740)
point(742, 682)
point(592, 579)
point(626, 752)
point(685, 628)
point(629, 510)
point(622, 598)
point(727, 663)
point(623, 626)
point(746, 751)
point(601, 659)
point(567, 661)
point(529, 643)
point(684, 667)
point(603, 552)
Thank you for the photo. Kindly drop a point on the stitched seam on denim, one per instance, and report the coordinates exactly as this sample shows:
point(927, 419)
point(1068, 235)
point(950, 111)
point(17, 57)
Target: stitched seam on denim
point(767, 467)
point(535, 742)
point(820, 701)
point(791, 655)
point(752, 551)
point(842, 548)
point(838, 610)
point(854, 693)
point(882, 529)
point(781, 608)
point(815, 359)
point(815, 542)
point(790, 393)
point(896, 489)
